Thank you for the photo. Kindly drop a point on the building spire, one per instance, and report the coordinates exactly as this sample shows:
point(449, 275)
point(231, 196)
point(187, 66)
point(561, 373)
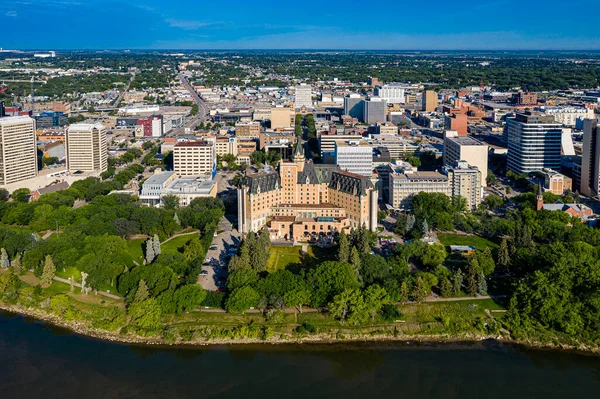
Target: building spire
point(539, 198)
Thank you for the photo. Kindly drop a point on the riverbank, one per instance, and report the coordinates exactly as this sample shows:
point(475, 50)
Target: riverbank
point(79, 327)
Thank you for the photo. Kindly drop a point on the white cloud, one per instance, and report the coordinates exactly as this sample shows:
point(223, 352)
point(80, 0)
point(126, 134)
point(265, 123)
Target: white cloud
point(189, 24)
point(11, 14)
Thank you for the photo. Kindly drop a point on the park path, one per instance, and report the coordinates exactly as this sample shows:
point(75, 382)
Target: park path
point(106, 294)
point(464, 298)
point(179, 235)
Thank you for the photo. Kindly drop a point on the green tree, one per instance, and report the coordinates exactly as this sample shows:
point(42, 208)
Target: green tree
point(193, 249)
point(16, 264)
point(329, 279)
point(404, 292)
point(349, 305)
point(49, 271)
point(355, 262)
point(242, 299)
point(343, 248)
point(21, 195)
point(189, 297)
point(446, 288)
point(4, 259)
point(472, 272)
point(421, 290)
point(170, 202)
point(142, 292)
point(457, 283)
point(481, 284)
point(145, 314)
point(241, 278)
point(375, 297)
point(503, 254)
point(486, 261)
point(297, 297)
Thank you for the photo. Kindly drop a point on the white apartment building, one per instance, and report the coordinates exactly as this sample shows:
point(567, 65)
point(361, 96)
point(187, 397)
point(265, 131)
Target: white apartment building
point(226, 145)
point(464, 148)
point(303, 96)
point(195, 158)
point(354, 157)
point(327, 142)
point(392, 94)
point(86, 147)
point(465, 181)
point(18, 150)
point(568, 115)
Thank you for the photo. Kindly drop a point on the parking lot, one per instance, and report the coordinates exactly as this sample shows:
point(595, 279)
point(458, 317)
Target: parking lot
point(217, 257)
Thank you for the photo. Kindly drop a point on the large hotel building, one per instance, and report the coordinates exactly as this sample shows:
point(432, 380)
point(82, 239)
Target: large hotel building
point(18, 151)
point(302, 200)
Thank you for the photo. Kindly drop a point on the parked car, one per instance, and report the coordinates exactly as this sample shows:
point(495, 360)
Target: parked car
point(204, 272)
point(213, 247)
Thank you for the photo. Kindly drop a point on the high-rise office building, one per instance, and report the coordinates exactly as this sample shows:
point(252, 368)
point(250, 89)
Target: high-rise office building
point(18, 151)
point(466, 149)
point(590, 159)
point(534, 142)
point(195, 158)
point(86, 147)
point(353, 106)
point(392, 94)
point(354, 157)
point(303, 96)
point(430, 101)
point(374, 110)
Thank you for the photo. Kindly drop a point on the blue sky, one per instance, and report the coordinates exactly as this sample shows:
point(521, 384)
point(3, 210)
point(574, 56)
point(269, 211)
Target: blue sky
point(269, 24)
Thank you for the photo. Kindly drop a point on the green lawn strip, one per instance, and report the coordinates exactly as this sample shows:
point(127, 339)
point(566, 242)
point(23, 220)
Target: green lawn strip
point(173, 245)
point(134, 249)
point(18, 229)
point(480, 243)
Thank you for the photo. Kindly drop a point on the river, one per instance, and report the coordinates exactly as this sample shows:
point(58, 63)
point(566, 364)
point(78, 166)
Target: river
point(41, 361)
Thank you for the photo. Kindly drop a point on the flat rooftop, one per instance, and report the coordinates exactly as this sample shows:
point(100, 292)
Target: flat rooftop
point(465, 140)
point(159, 178)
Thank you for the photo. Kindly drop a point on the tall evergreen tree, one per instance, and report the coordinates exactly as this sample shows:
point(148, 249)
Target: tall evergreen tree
point(410, 222)
point(150, 250)
point(355, 262)
point(472, 273)
point(457, 283)
point(481, 284)
point(156, 245)
point(49, 271)
point(403, 292)
point(4, 259)
point(344, 248)
point(142, 292)
point(503, 255)
point(446, 288)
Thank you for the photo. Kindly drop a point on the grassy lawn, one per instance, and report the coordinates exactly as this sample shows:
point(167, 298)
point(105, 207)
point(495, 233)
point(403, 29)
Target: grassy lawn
point(18, 229)
point(134, 248)
point(281, 258)
point(480, 243)
point(173, 245)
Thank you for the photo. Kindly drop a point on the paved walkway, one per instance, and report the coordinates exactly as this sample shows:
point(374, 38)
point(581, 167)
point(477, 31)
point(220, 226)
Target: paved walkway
point(180, 235)
point(463, 298)
point(106, 294)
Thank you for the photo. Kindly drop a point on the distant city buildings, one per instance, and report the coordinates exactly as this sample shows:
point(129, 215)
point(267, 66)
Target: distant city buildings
point(353, 106)
point(281, 117)
point(392, 94)
point(374, 110)
point(568, 115)
point(303, 96)
point(534, 142)
point(86, 149)
point(405, 182)
point(430, 101)
point(18, 150)
point(162, 184)
point(247, 130)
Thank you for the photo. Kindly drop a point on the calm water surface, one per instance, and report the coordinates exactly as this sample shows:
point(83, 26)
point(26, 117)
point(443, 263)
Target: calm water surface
point(40, 361)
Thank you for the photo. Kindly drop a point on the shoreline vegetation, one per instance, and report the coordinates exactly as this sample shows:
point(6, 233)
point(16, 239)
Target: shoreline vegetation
point(82, 328)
